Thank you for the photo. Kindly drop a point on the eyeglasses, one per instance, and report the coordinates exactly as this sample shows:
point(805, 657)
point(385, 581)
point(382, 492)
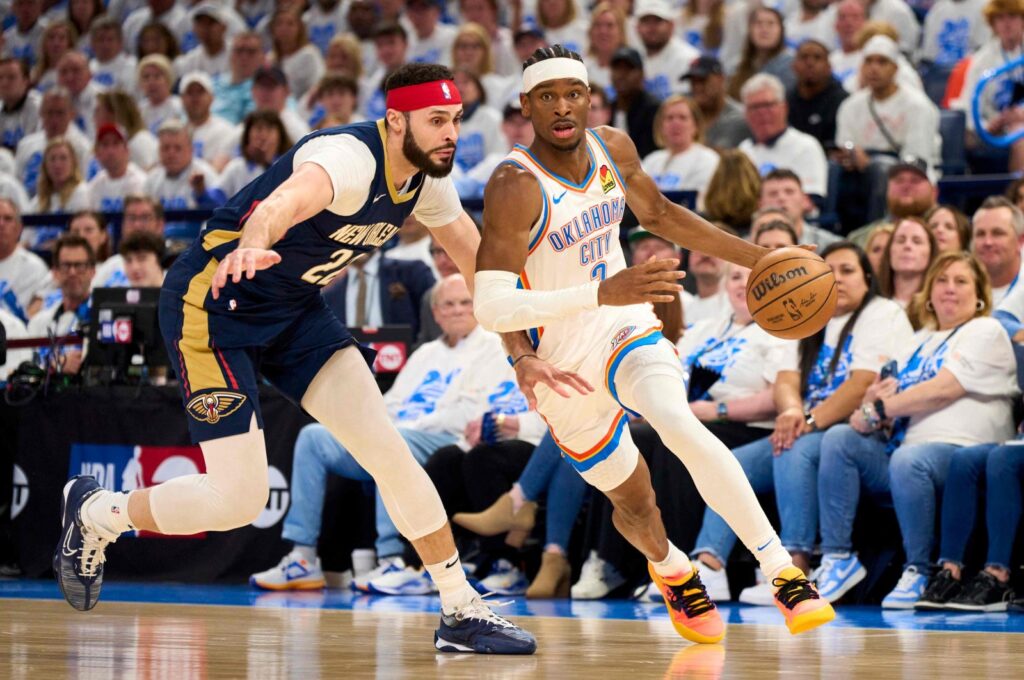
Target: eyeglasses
point(138, 218)
point(762, 105)
point(68, 267)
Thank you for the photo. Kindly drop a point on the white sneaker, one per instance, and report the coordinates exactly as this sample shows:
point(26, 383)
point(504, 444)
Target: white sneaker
point(407, 581)
point(760, 594)
point(504, 579)
point(716, 582)
point(293, 572)
point(597, 579)
point(361, 582)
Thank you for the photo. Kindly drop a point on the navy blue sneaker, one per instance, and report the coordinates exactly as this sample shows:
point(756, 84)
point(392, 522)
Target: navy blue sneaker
point(78, 559)
point(475, 628)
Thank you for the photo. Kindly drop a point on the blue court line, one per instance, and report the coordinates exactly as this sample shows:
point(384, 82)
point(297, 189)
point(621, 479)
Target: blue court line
point(852, 616)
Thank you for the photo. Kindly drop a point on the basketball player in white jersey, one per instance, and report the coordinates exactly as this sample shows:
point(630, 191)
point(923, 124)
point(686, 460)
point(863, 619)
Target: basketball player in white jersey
point(550, 264)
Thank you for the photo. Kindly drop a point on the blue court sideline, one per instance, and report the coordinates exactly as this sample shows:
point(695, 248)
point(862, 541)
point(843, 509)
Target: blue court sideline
point(242, 595)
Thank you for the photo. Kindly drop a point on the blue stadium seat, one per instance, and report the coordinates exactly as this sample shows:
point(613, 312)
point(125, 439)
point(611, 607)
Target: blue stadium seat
point(952, 129)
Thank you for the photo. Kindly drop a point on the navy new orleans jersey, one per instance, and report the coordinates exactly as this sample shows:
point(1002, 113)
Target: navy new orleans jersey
point(276, 324)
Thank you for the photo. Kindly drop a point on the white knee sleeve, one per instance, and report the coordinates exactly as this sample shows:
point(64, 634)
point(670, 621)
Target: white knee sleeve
point(346, 400)
point(231, 494)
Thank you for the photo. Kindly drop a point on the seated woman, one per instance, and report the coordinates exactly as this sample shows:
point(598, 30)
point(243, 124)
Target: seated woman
point(907, 256)
point(951, 228)
point(60, 189)
point(682, 162)
point(1000, 469)
point(819, 383)
point(876, 245)
point(954, 387)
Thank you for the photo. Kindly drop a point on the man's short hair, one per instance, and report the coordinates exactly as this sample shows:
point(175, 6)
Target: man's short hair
point(72, 241)
point(779, 214)
point(173, 126)
point(106, 23)
point(14, 208)
point(781, 175)
point(390, 29)
point(143, 242)
point(337, 82)
point(26, 70)
point(416, 74)
point(1016, 216)
point(155, 204)
point(551, 52)
point(763, 81)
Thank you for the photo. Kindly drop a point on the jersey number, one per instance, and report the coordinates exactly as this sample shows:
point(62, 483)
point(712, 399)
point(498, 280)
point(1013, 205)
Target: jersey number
point(599, 272)
point(322, 274)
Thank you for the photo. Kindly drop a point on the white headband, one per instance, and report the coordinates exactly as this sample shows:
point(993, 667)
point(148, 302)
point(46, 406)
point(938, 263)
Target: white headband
point(553, 69)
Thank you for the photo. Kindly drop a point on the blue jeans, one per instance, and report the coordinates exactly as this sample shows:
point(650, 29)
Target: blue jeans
point(792, 475)
point(1005, 501)
point(914, 475)
point(960, 501)
point(318, 453)
point(549, 474)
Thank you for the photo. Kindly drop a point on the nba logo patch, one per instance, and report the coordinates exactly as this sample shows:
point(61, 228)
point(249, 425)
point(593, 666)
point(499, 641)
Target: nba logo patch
point(607, 180)
point(446, 91)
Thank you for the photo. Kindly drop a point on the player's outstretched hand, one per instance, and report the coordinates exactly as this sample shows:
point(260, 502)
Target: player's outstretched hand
point(242, 261)
point(532, 370)
point(652, 281)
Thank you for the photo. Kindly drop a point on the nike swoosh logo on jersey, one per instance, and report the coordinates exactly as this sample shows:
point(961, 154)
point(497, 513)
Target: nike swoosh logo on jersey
point(557, 199)
point(379, 197)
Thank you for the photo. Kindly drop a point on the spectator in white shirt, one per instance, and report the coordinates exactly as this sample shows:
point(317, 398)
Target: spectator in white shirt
point(142, 213)
point(119, 107)
point(682, 162)
point(816, 20)
point(324, 20)
point(485, 14)
point(515, 129)
point(21, 40)
point(881, 123)
point(93, 228)
point(270, 92)
point(74, 265)
point(73, 74)
point(392, 44)
point(23, 274)
point(14, 329)
point(84, 13)
point(211, 54)
point(345, 55)
point(562, 24)
point(607, 33)
point(58, 39)
point(143, 254)
point(897, 14)
point(19, 104)
point(997, 234)
point(213, 138)
point(119, 177)
point(180, 181)
point(666, 56)
point(300, 59)
point(61, 189)
point(850, 18)
point(774, 144)
point(56, 115)
point(167, 13)
point(431, 40)
point(471, 51)
point(334, 101)
point(480, 133)
point(264, 138)
point(156, 76)
point(952, 30)
point(782, 189)
point(111, 66)
point(906, 72)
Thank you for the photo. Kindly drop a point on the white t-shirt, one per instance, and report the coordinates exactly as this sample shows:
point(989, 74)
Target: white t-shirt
point(214, 139)
point(980, 357)
point(821, 28)
point(177, 19)
point(351, 167)
point(998, 92)
point(28, 160)
point(434, 49)
point(902, 18)
point(690, 170)
point(479, 136)
point(11, 188)
point(107, 194)
point(1011, 301)
point(910, 117)
point(26, 45)
point(697, 309)
point(303, 68)
point(153, 115)
point(47, 320)
point(952, 30)
point(144, 149)
point(110, 273)
point(14, 125)
point(38, 237)
point(117, 74)
point(323, 26)
point(796, 151)
point(745, 356)
point(198, 59)
point(882, 331)
point(663, 70)
point(15, 330)
point(237, 173)
point(23, 275)
point(175, 193)
point(573, 36)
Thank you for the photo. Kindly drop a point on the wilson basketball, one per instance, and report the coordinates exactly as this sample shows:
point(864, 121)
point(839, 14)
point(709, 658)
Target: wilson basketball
point(791, 293)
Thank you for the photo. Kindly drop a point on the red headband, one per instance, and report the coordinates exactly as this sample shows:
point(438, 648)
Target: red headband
point(413, 97)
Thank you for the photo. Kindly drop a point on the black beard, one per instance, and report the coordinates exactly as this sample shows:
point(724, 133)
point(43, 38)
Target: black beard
point(421, 159)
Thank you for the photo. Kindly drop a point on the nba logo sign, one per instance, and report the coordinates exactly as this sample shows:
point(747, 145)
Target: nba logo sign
point(446, 91)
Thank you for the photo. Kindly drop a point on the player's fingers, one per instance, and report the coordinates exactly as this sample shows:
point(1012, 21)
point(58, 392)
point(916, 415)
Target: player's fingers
point(219, 279)
point(236, 267)
point(250, 266)
point(271, 258)
point(653, 265)
point(553, 383)
point(581, 385)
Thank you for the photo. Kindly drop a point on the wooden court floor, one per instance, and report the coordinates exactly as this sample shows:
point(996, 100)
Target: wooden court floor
point(45, 640)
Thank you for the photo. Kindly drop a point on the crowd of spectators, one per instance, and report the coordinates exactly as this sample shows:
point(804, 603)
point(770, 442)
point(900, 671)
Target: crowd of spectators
point(773, 114)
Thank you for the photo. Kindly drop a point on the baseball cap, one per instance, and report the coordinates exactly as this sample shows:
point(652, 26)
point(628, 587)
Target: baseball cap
point(882, 46)
point(639, 234)
point(629, 56)
point(914, 164)
point(655, 8)
point(702, 67)
point(271, 73)
point(210, 9)
point(527, 32)
point(111, 129)
point(196, 77)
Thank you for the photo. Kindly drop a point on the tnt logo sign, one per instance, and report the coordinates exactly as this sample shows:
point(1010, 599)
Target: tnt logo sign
point(19, 498)
point(277, 503)
point(390, 358)
point(123, 330)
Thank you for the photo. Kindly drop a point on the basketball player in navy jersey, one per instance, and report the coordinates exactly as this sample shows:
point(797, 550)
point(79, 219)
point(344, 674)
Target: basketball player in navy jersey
point(550, 264)
point(245, 299)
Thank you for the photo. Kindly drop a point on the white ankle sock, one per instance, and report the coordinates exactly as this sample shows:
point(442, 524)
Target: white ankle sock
point(107, 513)
point(675, 564)
point(451, 583)
point(307, 552)
point(518, 499)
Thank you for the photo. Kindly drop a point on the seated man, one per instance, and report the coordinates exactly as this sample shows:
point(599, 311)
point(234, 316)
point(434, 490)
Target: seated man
point(446, 384)
point(74, 265)
point(143, 252)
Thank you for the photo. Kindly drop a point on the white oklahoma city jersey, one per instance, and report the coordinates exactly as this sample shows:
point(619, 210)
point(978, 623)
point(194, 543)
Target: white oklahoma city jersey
point(575, 241)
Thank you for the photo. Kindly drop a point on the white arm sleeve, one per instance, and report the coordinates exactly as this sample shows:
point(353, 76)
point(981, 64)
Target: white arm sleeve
point(502, 307)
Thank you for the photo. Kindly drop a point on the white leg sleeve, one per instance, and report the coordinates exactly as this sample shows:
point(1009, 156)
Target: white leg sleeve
point(231, 494)
point(346, 400)
point(649, 382)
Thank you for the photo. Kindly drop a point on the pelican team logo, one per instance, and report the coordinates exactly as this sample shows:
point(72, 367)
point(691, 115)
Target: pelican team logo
point(621, 335)
point(211, 407)
point(446, 91)
point(607, 180)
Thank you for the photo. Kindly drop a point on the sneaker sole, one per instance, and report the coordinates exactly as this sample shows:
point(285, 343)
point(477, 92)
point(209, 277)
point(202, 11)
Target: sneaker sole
point(378, 590)
point(442, 645)
point(294, 585)
point(811, 620)
point(899, 605)
point(930, 606)
point(995, 607)
point(849, 584)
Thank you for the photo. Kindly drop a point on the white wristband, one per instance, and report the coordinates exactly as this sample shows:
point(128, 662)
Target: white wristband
point(502, 307)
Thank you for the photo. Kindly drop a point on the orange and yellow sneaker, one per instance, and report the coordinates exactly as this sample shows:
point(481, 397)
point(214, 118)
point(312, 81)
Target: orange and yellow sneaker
point(799, 602)
point(693, 614)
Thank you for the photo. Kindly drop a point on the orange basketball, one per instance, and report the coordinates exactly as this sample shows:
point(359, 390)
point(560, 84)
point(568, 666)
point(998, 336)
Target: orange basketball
point(791, 293)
